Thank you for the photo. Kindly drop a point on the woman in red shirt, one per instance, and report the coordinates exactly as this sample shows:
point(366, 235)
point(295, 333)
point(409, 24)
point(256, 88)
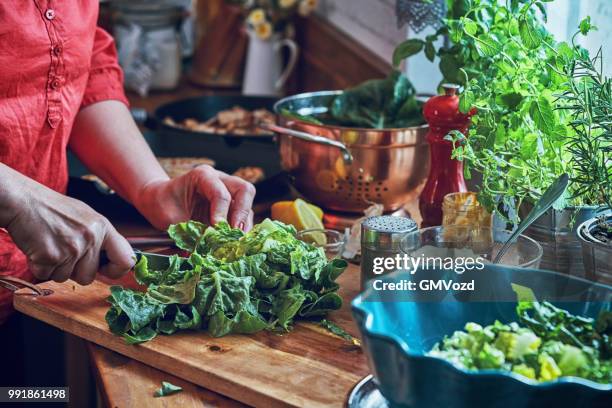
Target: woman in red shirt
point(61, 86)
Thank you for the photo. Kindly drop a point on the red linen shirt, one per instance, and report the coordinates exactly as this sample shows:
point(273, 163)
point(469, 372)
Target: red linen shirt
point(53, 62)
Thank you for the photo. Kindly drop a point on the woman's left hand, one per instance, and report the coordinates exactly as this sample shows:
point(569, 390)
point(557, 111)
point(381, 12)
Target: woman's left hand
point(203, 194)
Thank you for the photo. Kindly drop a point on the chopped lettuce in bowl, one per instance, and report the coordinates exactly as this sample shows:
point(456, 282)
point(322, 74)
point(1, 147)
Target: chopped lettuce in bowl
point(549, 343)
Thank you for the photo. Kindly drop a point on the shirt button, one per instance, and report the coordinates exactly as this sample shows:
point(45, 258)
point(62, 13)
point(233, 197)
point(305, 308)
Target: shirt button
point(57, 50)
point(55, 84)
point(49, 14)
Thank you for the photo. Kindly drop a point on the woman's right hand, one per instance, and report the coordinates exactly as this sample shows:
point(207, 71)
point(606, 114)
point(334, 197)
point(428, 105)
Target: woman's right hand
point(61, 237)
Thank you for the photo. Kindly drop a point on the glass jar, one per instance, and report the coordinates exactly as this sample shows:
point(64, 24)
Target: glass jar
point(330, 240)
point(464, 209)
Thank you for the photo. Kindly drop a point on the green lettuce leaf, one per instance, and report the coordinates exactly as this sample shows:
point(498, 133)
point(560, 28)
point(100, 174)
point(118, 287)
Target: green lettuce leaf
point(232, 283)
point(224, 301)
point(167, 389)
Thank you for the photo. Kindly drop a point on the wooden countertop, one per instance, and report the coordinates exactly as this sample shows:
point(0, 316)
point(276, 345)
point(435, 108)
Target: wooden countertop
point(124, 382)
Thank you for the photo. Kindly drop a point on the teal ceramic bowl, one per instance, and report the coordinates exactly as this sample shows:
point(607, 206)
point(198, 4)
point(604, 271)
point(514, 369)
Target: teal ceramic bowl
point(398, 333)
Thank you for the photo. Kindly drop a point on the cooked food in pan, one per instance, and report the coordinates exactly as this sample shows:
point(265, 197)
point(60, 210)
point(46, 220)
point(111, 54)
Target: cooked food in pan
point(177, 166)
point(236, 121)
point(251, 174)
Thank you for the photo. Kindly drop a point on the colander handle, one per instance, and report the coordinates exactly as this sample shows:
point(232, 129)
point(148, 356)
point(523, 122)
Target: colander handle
point(346, 154)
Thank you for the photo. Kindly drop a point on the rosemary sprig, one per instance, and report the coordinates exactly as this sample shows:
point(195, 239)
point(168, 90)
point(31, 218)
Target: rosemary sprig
point(588, 101)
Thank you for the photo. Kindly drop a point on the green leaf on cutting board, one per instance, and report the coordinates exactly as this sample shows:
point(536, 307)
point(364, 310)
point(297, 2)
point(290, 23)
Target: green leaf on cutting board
point(233, 283)
point(167, 389)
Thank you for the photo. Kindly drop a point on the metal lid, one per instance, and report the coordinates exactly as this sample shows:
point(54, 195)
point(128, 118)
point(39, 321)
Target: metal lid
point(385, 231)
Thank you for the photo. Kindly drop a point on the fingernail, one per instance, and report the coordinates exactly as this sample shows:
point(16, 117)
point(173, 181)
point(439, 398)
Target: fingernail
point(241, 225)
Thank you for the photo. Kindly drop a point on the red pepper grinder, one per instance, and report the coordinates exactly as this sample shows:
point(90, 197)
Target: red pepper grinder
point(445, 174)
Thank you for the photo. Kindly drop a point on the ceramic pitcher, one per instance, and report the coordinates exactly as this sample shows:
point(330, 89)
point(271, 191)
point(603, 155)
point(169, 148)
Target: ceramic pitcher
point(264, 73)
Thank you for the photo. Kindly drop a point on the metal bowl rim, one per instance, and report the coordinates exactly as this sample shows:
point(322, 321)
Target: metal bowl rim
point(521, 236)
point(335, 127)
point(586, 226)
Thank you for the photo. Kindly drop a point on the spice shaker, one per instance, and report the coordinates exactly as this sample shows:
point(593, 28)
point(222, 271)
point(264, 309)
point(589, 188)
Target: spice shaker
point(381, 237)
point(445, 173)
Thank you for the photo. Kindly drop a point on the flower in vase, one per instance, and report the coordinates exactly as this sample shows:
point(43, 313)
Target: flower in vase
point(257, 17)
point(286, 3)
point(307, 6)
point(264, 30)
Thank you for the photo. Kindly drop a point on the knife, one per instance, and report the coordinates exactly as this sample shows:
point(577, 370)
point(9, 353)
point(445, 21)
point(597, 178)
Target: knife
point(154, 261)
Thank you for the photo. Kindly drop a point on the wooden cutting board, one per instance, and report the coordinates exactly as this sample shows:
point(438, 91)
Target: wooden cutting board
point(308, 367)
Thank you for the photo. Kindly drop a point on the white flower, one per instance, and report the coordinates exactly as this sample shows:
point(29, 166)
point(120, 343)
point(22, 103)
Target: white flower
point(264, 30)
point(257, 17)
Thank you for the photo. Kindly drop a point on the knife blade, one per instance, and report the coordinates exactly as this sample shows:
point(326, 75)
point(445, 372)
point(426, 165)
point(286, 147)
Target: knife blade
point(154, 261)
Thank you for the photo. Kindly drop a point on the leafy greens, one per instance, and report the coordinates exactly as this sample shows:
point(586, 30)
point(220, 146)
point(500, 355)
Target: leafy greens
point(543, 109)
point(232, 283)
point(379, 104)
point(374, 104)
point(549, 343)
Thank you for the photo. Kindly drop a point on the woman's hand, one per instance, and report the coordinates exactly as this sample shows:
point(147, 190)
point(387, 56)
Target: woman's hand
point(61, 237)
point(203, 194)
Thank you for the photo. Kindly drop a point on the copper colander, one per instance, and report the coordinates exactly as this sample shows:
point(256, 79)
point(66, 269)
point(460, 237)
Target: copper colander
point(349, 169)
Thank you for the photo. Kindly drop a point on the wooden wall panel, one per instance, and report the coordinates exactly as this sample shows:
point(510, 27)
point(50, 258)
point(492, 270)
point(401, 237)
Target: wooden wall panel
point(330, 59)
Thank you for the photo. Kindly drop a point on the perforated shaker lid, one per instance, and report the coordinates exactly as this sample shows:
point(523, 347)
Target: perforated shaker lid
point(385, 231)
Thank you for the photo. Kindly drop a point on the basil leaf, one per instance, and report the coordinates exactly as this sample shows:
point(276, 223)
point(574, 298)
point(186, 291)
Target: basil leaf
point(466, 100)
point(541, 111)
point(469, 26)
point(489, 46)
point(430, 51)
point(407, 49)
point(449, 66)
point(530, 35)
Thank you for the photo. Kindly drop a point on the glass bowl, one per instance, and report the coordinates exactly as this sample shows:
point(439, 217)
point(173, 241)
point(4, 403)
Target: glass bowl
point(330, 240)
point(469, 241)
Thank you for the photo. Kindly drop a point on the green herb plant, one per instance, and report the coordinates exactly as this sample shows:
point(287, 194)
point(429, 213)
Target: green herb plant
point(512, 72)
point(231, 283)
point(588, 102)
